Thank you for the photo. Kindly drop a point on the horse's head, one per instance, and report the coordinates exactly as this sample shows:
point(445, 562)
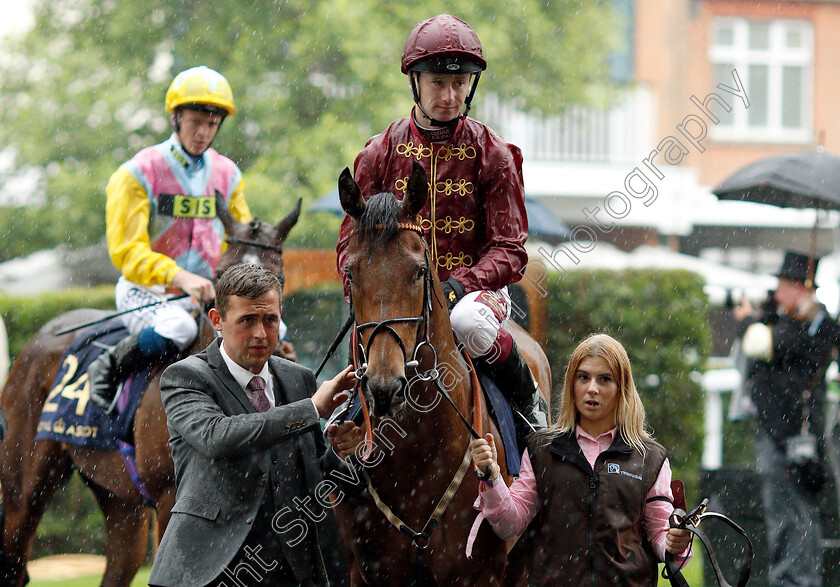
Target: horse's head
point(256, 241)
point(390, 285)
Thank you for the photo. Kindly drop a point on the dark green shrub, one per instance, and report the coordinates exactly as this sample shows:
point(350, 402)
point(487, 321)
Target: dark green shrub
point(314, 317)
point(73, 523)
point(24, 315)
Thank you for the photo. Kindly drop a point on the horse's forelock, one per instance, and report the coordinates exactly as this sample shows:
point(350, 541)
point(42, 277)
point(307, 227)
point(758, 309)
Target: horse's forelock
point(379, 223)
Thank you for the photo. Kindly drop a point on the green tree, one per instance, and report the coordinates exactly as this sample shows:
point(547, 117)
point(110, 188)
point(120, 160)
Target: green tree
point(313, 80)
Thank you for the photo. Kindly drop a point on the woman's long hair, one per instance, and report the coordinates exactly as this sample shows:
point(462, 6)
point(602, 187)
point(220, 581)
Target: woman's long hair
point(630, 413)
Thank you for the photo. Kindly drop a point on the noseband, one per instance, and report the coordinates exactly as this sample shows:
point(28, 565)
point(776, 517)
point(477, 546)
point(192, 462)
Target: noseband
point(385, 326)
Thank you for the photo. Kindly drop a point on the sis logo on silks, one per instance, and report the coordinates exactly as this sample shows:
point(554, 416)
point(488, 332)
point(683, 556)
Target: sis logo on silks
point(615, 469)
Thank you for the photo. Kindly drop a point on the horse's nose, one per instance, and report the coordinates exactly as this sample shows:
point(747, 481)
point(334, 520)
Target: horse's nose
point(387, 394)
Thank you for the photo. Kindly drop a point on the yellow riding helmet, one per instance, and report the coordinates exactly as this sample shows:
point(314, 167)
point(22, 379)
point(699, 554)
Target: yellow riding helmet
point(200, 86)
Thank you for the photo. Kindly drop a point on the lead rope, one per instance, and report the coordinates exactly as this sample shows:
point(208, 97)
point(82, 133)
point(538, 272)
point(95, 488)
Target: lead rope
point(691, 522)
point(421, 539)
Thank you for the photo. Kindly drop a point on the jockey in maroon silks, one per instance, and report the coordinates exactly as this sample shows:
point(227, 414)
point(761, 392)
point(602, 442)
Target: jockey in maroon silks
point(474, 220)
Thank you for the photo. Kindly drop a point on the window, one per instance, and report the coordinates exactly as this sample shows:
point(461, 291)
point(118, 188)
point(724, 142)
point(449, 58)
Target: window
point(774, 60)
point(621, 60)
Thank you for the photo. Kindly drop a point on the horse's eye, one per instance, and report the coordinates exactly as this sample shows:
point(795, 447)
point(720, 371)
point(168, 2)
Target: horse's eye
point(348, 274)
point(421, 273)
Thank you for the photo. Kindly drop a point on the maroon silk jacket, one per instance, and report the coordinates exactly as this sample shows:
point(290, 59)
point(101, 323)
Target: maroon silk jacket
point(474, 220)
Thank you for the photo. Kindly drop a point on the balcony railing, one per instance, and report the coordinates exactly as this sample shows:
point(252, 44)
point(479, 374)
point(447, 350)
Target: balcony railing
point(619, 134)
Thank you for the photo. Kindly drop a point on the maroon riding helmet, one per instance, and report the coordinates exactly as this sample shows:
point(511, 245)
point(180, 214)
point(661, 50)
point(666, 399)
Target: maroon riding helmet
point(443, 44)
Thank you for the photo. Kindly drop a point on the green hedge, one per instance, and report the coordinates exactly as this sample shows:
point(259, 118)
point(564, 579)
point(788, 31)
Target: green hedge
point(314, 317)
point(661, 318)
point(24, 315)
point(73, 522)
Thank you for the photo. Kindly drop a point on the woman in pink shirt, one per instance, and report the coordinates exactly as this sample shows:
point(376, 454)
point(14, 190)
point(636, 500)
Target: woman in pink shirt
point(594, 492)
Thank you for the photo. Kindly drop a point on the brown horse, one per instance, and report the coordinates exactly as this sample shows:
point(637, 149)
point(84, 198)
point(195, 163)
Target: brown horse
point(407, 356)
point(31, 471)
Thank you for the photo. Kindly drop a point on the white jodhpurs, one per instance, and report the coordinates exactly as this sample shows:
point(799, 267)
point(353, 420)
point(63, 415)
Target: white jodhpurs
point(171, 320)
point(477, 319)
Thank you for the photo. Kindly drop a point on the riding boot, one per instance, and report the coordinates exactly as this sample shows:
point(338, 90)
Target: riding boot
point(513, 377)
point(127, 356)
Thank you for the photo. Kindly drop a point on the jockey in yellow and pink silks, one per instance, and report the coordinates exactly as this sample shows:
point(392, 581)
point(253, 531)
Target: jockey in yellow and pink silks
point(163, 230)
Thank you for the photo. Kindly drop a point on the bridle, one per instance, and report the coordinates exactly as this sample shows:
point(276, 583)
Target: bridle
point(422, 538)
point(253, 225)
point(240, 241)
point(386, 326)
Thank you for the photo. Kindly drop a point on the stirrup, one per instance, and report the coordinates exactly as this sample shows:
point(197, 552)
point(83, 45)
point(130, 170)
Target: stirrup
point(117, 394)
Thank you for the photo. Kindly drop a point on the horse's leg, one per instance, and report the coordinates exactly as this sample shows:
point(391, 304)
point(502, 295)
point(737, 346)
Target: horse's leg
point(165, 502)
point(515, 567)
point(151, 440)
point(29, 483)
point(127, 528)
point(30, 472)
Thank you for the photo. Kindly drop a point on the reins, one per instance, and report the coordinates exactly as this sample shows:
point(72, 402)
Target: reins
point(115, 314)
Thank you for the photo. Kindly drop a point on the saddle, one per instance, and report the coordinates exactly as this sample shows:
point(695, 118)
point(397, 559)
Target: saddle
point(502, 413)
point(68, 416)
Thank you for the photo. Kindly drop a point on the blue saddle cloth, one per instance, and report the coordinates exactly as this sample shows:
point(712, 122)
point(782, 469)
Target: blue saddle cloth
point(69, 416)
point(500, 410)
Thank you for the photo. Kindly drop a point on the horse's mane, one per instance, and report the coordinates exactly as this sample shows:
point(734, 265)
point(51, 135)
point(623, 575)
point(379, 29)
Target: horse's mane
point(379, 223)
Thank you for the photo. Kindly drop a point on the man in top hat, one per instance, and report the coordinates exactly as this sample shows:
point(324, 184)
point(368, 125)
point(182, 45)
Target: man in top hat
point(790, 347)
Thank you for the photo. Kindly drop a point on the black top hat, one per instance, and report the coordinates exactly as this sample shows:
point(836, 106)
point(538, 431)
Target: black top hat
point(795, 267)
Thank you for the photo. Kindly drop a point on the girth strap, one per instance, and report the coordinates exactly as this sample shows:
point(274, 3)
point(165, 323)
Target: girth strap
point(421, 539)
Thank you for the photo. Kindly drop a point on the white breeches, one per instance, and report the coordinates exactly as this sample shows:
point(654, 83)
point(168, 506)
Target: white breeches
point(171, 320)
point(477, 319)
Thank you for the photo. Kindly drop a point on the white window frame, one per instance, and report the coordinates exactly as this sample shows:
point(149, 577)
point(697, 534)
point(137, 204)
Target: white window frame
point(775, 57)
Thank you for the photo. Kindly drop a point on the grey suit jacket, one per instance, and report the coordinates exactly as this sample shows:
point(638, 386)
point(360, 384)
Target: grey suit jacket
point(222, 450)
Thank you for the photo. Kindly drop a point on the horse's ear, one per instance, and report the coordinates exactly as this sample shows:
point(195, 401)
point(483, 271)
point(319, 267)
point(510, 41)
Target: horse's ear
point(350, 195)
point(281, 231)
point(416, 193)
point(224, 214)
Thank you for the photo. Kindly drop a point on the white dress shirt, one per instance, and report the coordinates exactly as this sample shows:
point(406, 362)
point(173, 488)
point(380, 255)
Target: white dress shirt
point(243, 376)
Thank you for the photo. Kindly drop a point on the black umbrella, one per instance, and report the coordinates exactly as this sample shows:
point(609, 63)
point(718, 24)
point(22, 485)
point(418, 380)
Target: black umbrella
point(808, 179)
point(541, 221)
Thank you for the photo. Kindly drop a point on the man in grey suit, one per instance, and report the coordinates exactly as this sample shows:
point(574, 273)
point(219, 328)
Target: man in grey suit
point(245, 439)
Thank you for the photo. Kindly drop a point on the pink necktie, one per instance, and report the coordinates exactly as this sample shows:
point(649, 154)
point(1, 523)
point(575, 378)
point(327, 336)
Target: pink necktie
point(258, 398)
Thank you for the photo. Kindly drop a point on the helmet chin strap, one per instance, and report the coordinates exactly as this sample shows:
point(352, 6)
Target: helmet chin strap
point(438, 123)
